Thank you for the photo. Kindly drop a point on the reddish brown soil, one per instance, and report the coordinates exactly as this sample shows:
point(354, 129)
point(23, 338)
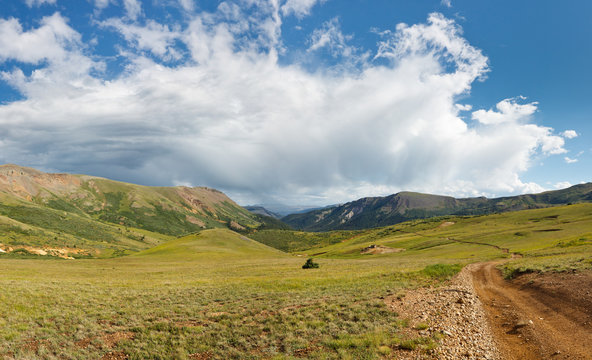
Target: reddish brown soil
point(201, 356)
point(112, 339)
point(538, 316)
point(119, 355)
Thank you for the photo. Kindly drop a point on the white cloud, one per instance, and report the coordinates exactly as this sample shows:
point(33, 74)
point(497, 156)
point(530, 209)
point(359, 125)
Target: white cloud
point(48, 42)
point(56, 47)
point(231, 116)
point(446, 3)
point(569, 134)
point(101, 4)
point(440, 39)
point(330, 36)
point(153, 37)
point(31, 3)
point(562, 185)
point(133, 8)
point(508, 110)
point(329, 39)
point(570, 160)
point(187, 5)
point(300, 8)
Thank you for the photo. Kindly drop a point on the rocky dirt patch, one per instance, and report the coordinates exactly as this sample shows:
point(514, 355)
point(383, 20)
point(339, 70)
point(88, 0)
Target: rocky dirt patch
point(451, 313)
point(195, 221)
point(233, 225)
point(64, 253)
point(379, 249)
point(446, 224)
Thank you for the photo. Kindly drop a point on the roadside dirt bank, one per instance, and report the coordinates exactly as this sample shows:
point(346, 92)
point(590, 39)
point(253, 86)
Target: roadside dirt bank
point(452, 313)
point(479, 315)
point(537, 316)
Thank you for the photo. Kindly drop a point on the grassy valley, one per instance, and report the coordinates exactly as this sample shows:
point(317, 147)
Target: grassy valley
point(220, 294)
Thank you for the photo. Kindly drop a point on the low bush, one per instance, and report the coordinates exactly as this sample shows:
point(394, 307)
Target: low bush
point(310, 264)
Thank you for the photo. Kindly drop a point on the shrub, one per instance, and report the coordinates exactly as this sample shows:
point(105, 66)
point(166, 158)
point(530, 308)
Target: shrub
point(310, 264)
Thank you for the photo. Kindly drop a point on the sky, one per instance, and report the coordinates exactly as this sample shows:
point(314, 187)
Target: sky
point(299, 102)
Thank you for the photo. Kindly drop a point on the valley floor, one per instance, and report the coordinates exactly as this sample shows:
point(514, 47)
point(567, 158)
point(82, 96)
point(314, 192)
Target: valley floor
point(221, 295)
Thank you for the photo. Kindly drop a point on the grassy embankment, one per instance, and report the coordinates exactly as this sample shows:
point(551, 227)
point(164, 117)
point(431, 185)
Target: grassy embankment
point(221, 295)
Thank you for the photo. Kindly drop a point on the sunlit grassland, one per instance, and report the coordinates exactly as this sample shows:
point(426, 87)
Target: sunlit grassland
point(225, 304)
point(531, 233)
point(219, 294)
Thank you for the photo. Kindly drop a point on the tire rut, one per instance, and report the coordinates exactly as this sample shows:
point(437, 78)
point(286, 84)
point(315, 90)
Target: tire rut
point(528, 325)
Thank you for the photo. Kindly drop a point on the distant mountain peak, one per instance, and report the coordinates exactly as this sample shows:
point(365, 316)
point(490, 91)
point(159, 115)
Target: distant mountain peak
point(392, 209)
point(260, 210)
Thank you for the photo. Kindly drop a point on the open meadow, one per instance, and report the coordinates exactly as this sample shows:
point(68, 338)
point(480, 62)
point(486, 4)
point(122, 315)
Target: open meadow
point(220, 294)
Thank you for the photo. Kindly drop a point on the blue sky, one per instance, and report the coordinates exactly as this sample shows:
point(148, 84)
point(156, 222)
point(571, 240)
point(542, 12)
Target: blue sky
point(301, 101)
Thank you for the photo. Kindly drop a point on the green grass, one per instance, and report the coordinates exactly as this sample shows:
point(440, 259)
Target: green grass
point(287, 240)
point(258, 308)
point(211, 243)
point(441, 272)
point(222, 294)
point(533, 233)
point(27, 224)
point(214, 292)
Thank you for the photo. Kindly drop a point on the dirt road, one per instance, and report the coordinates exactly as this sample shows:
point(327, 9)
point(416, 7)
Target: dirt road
point(537, 316)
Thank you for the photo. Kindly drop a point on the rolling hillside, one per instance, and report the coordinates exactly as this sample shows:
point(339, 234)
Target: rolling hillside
point(211, 243)
point(382, 211)
point(69, 211)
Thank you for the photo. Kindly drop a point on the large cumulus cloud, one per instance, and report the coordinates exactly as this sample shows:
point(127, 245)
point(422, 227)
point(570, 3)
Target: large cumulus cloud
point(207, 102)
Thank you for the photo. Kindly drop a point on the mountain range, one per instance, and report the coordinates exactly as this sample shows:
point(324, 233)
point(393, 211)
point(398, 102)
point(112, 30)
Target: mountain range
point(112, 217)
point(382, 211)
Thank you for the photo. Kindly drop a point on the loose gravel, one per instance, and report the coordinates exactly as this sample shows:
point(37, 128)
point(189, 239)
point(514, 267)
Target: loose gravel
point(452, 315)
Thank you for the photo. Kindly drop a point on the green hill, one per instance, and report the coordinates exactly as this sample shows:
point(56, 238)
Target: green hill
point(383, 211)
point(213, 243)
point(68, 212)
point(37, 227)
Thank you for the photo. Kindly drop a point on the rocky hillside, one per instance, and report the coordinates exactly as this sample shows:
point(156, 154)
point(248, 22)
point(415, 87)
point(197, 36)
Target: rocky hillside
point(260, 210)
point(393, 209)
point(77, 209)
